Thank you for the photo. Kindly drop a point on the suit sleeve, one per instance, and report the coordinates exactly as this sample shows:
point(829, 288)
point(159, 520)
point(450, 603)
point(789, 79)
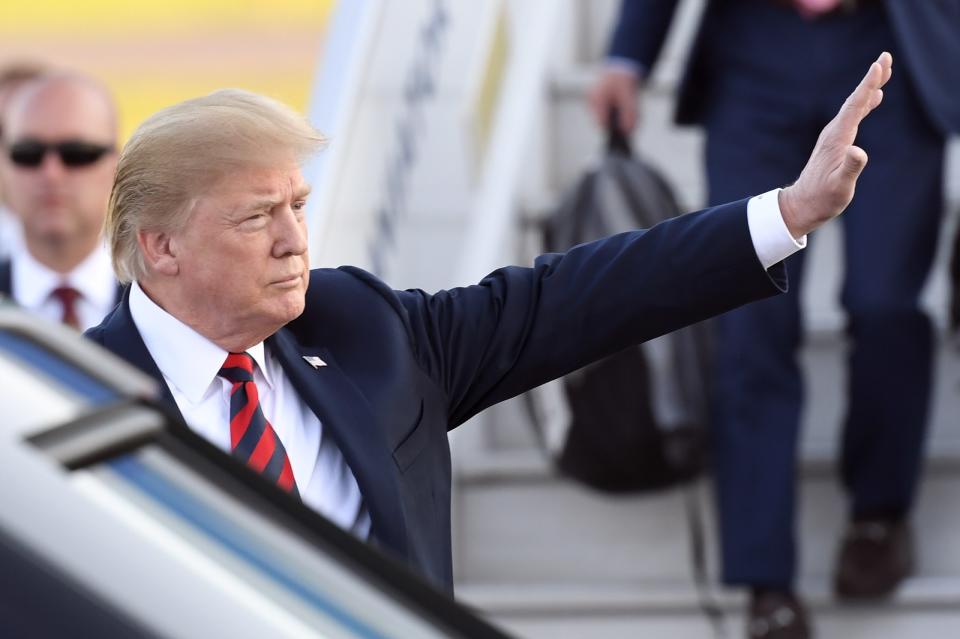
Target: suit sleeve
point(640, 31)
point(521, 327)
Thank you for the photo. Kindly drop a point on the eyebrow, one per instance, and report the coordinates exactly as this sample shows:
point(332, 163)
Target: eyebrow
point(269, 202)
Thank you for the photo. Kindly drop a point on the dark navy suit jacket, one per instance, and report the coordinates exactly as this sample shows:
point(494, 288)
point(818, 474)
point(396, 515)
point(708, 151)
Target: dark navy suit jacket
point(927, 31)
point(404, 367)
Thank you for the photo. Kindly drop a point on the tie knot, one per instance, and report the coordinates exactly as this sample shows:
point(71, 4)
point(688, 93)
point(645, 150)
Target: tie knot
point(66, 294)
point(237, 368)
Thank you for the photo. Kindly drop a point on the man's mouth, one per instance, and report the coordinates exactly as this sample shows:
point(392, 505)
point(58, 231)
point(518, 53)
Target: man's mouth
point(288, 281)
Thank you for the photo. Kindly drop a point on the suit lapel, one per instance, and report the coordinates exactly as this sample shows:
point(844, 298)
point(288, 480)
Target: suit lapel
point(121, 291)
point(6, 278)
point(121, 336)
point(348, 418)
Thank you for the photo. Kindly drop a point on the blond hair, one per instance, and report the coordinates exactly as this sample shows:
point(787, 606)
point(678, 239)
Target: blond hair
point(180, 151)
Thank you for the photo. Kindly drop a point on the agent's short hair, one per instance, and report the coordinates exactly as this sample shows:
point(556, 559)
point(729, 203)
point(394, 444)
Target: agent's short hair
point(20, 72)
point(14, 75)
point(179, 152)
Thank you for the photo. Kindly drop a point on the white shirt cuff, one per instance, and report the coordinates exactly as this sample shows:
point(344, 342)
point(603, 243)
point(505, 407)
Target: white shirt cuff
point(771, 239)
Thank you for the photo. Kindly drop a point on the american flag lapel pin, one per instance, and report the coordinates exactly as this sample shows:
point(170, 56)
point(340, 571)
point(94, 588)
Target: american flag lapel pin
point(314, 361)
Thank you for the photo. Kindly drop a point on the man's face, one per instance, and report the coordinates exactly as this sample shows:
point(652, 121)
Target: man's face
point(242, 256)
point(54, 201)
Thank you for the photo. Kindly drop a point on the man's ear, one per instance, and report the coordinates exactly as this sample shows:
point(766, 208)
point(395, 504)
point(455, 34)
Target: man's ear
point(159, 252)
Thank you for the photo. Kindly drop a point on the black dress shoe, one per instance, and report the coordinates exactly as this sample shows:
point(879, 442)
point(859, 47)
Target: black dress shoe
point(776, 614)
point(876, 556)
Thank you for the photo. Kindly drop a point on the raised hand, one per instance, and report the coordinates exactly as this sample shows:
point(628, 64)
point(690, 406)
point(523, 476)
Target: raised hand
point(828, 181)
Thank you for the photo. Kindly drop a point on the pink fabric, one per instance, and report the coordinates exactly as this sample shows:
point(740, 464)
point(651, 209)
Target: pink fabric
point(814, 8)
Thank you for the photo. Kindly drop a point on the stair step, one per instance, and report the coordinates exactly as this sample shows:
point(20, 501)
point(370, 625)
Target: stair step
point(517, 523)
point(525, 466)
point(923, 608)
point(545, 598)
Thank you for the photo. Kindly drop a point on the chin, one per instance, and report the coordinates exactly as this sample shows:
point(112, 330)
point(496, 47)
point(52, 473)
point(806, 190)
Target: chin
point(55, 234)
point(292, 305)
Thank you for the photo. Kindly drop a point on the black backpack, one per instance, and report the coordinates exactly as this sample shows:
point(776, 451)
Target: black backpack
point(636, 420)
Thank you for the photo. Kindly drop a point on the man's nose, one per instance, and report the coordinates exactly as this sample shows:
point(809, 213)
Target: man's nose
point(291, 234)
point(51, 167)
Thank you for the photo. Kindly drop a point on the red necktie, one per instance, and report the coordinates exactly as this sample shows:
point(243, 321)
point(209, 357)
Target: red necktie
point(252, 439)
point(68, 296)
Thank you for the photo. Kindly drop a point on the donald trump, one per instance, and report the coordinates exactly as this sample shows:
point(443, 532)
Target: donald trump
point(340, 390)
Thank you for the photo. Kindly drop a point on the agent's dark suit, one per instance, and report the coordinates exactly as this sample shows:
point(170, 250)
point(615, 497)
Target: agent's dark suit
point(764, 81)
point(6, 278)
point(404, 367)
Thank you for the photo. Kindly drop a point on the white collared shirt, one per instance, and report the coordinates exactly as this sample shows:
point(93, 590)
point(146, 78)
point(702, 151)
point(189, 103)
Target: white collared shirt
point(33, 283)
point(190, 362)
point(9, 232)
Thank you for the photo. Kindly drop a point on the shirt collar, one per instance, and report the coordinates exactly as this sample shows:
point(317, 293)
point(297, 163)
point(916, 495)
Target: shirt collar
point(187, 359)
point(33, 282)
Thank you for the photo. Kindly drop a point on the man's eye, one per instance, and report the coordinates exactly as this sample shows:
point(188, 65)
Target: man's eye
point(299, 206)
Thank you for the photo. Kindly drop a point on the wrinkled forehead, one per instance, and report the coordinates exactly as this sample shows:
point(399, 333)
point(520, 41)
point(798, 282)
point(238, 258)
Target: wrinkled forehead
point(252, 185)
point(59, 111)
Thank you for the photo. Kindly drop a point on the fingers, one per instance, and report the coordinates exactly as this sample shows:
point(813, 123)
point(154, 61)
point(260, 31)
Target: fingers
point(598, 105)
point(866, 97)
point(886, 63)
point(615, 89)
point(627, 114)
point(862, 95)
point(877, 75)
point(854, 160)
point(875, 79)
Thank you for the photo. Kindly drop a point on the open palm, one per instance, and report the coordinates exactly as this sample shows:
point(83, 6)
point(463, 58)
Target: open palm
point(828, 181)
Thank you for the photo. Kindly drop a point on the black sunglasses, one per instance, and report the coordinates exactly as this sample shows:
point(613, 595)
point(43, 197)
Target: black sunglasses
point(73, 153)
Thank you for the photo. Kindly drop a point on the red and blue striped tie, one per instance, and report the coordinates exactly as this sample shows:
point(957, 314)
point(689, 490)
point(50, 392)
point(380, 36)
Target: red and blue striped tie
point(252, 439)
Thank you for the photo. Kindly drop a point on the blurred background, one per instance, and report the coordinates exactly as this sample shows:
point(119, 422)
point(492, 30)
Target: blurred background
point(153, 54)
point(452, 125)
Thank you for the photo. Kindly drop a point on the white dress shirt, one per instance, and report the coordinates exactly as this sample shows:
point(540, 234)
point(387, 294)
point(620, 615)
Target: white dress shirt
point(33, 283)
point(190, 362)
